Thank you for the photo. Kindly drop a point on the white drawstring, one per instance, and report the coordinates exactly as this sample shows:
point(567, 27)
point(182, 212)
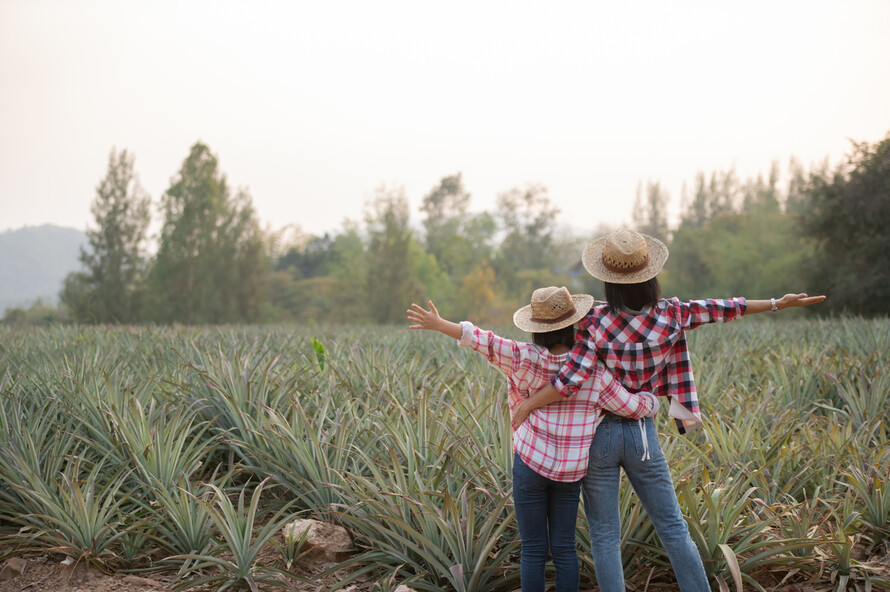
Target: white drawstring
point(642, 423)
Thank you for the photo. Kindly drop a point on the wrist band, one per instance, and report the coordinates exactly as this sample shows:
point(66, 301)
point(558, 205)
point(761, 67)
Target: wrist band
point(772, 303)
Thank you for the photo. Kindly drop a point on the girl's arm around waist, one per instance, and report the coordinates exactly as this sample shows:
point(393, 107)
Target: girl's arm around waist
point(612, 397)
point(618, 400)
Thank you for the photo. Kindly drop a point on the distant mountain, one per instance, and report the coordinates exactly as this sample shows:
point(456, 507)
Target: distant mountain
point(34, 261)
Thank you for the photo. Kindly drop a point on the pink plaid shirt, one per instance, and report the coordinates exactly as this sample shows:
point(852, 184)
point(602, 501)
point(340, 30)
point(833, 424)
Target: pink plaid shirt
point(646, 350)
point(555, 439)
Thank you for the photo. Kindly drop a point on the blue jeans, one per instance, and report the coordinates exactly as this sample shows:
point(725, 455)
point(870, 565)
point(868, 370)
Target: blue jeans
point(618, 444)
point(546, 511)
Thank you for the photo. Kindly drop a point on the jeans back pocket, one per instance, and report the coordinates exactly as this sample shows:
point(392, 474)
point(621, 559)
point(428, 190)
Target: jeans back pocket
point(601, 445)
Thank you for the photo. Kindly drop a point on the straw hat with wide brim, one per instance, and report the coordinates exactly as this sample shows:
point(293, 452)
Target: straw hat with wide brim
point(552, 308)
point(624, 257)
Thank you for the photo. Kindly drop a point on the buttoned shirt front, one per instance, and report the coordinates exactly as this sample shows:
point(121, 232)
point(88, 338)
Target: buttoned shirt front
point(646, 350)
point(555, 440)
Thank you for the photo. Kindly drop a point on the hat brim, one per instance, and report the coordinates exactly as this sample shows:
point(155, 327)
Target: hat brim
point(592, 259)
point(522, 318)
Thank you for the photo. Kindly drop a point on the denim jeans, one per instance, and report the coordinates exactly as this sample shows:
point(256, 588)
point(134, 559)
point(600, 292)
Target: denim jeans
point(618, 444)
point(546, 511)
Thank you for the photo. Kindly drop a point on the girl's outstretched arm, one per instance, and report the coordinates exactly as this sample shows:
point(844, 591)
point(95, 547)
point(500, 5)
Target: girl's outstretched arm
point(786, 301)
point(431, 321)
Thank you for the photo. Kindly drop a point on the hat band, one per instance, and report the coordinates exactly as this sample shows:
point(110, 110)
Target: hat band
point(535, 319)
point(631, 269)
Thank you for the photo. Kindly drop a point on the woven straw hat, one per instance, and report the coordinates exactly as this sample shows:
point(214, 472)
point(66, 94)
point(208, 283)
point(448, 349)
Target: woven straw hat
point(624, 257)
point(552, 308)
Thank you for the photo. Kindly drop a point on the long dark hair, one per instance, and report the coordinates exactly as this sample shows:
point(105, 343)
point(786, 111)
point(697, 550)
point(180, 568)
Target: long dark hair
point(633, 296)
point(564, 336)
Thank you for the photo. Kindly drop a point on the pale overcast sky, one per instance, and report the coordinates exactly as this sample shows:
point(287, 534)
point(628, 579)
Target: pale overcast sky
point(313, 105)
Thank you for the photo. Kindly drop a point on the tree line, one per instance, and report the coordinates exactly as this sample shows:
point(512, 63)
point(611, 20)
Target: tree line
point(823, 229)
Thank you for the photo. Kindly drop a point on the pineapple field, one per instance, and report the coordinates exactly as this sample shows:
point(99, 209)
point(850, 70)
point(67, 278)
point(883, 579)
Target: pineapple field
point(178, 455)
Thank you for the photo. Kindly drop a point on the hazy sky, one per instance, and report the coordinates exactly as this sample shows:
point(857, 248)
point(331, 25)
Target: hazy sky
point(313, 105)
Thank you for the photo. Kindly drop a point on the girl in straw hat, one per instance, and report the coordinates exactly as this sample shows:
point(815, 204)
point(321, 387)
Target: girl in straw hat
point(640, 338)
point(551, 447)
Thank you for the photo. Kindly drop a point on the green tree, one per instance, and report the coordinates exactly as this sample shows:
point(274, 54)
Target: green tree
point(713, 196)
point(846, 214)
point(391, 283)
point(525, 256)
point(212, 265)
point(796, 199)
point(348, 263)
point(477, 298)
point(433, 281)
point(650, 211)
point(456, 239)
point(755, 254)
point(687, 273)
point(109, 289)
point(762, 196)
point(38, 314)
point(310, 260)
point(753, 250)
point(696, 212)
point(445, 207)
point(245, 250)
point(724, 193)
point(479, 231)
point(321, 280)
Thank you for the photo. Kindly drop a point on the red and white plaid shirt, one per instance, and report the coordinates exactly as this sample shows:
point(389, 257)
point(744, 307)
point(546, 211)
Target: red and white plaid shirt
point(555, 439)
point(646, 350)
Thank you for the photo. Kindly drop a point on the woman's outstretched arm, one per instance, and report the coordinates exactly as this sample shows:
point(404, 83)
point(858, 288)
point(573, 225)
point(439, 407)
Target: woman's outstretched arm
point(549, 394)
point(786, 301)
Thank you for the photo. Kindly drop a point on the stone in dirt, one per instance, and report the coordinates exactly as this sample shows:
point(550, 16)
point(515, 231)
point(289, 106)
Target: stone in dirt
point(136, 580)
point(13, 567)
point(324, 541)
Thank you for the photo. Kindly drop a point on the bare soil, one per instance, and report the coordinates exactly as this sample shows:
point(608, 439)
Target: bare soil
point(45, 573)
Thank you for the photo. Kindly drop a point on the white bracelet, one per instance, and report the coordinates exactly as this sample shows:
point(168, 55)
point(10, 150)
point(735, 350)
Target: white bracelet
point(772, 303)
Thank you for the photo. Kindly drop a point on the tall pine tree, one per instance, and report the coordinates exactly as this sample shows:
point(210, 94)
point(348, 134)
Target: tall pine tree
point(108, 291)
point(212, 265)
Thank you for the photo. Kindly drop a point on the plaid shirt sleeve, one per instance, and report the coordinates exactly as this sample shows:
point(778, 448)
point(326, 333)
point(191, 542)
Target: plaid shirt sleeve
point(616, 399)
point(700, 312)
point(503, 353)
point(680, 382)
point(579, 366)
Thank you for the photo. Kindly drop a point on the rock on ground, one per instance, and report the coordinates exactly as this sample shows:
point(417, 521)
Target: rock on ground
point(324, 541)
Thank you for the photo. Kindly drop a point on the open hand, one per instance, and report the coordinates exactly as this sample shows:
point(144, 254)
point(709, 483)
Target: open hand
point(789, 300)
point(424, 319)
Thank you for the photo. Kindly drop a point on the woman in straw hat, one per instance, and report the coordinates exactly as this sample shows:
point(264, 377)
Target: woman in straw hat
point(551, 447)
point(640, 338)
